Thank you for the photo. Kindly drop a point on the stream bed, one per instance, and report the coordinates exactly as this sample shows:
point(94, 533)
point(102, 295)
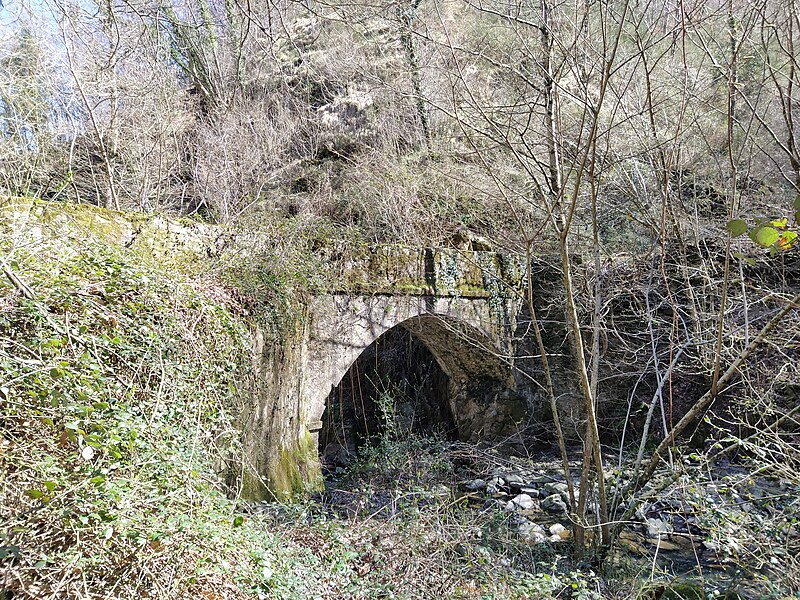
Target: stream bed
point(721, 532)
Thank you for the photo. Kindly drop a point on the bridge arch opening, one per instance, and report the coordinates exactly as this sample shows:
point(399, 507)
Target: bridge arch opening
point(427, 375)
point(395, 388)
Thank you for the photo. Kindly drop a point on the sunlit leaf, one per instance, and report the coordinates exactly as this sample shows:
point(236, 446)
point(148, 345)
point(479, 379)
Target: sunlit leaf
point(765, 236)
point(787, 240)
point(779, 223)
point(736, 227)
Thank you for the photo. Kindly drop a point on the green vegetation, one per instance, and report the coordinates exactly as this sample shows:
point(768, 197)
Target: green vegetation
point(118, 417)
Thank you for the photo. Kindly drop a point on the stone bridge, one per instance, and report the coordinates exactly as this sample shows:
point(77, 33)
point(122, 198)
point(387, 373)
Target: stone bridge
point(463, 305)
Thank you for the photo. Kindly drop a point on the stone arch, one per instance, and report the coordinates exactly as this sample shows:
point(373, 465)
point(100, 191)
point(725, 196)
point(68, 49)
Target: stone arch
point(481, 383)
point(465, 336)
point(397, 367)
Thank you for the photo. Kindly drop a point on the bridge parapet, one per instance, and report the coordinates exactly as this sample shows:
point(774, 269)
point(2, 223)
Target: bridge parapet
point(442, 272)
point(354, 267)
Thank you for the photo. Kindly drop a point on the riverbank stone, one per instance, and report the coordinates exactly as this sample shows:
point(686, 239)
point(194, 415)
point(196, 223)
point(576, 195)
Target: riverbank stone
point(554, 504)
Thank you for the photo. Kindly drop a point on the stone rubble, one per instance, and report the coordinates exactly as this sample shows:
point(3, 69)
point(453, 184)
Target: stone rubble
point(677, 525)
point(538, 509)
point(554, 504)
point(531, 500)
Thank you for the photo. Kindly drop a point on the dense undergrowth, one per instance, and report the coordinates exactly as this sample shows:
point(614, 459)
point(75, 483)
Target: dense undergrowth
point(414, 532)
point(415, 526)
point(118, 406)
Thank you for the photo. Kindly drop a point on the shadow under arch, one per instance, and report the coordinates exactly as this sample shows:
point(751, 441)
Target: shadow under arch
point(481, 389)
point(471, 396)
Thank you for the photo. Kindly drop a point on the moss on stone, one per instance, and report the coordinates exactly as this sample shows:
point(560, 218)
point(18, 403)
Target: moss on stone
point(253, 487)
point(113, 227)
point(162, 240)
point(297, 470)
